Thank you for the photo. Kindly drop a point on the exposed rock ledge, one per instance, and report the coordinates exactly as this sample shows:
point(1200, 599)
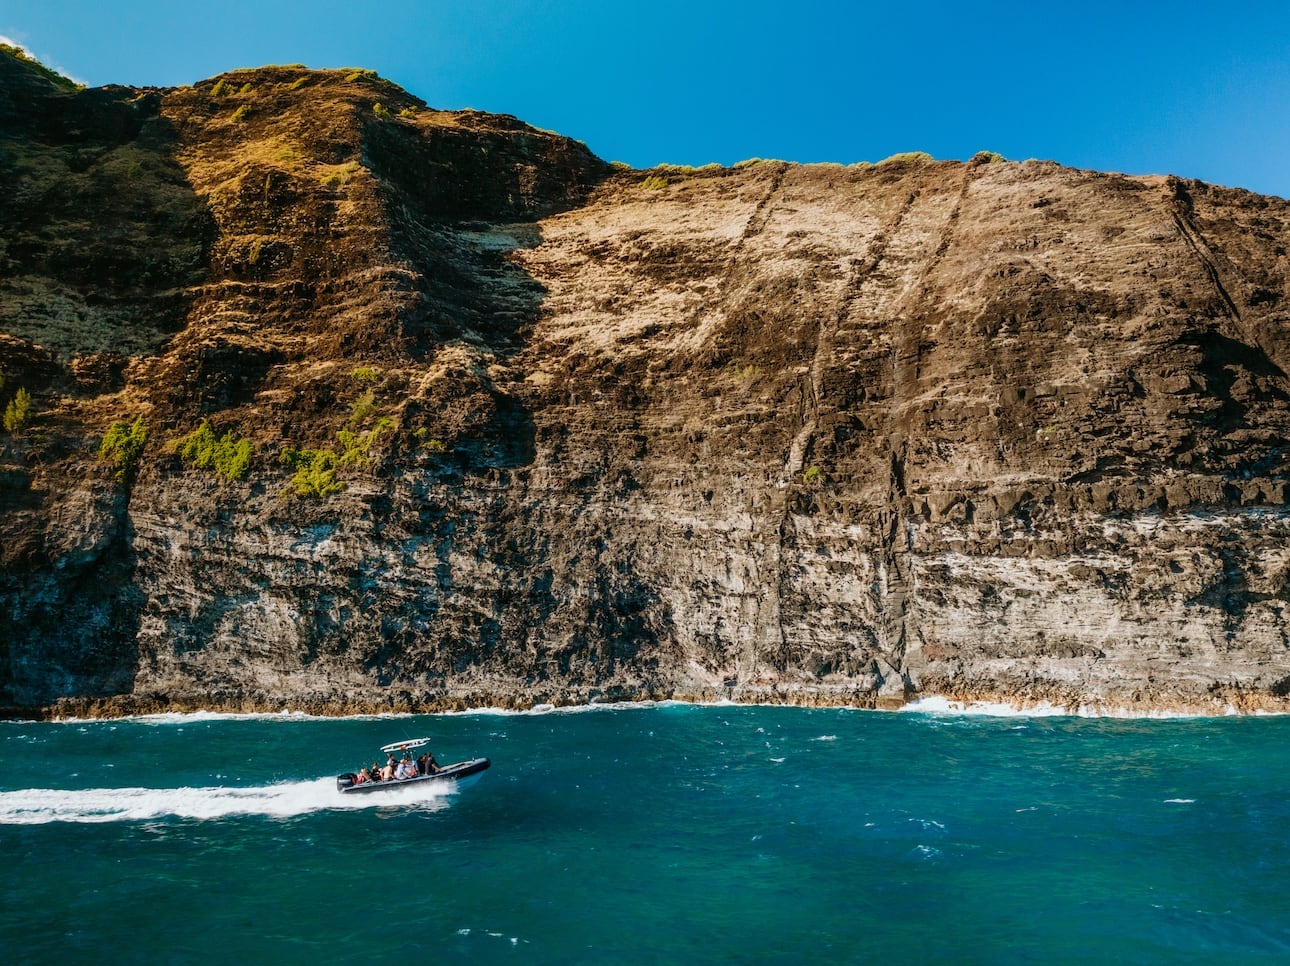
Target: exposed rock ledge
point(804, 434)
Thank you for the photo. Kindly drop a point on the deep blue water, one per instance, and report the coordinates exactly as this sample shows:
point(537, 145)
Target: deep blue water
point(652, 835)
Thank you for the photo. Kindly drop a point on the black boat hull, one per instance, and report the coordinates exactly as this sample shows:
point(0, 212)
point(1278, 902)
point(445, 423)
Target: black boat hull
point(345, 784)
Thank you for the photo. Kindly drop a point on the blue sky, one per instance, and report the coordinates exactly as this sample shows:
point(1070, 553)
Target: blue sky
point(1196, 89)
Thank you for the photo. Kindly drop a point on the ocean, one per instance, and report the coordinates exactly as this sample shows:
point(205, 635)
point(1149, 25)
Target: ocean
point(652, 834)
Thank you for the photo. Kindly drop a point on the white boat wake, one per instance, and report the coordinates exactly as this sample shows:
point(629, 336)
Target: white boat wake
point(40, 806)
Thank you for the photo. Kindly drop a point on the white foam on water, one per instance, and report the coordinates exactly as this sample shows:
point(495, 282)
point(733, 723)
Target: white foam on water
point(1180, 801)
point(930, 704)
point(40, 806)
point(189, 717)
point(592, 706)
point(936, 704)
point(185, 717)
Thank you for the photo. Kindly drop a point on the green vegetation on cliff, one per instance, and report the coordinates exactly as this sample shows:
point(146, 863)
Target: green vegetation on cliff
point(315, 469)
point(17, 53)
point(123, 445)
point(18, 411)
point(227, 455)
point(315, 475)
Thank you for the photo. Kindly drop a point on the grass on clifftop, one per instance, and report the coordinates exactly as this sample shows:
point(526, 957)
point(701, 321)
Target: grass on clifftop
point(55, 78)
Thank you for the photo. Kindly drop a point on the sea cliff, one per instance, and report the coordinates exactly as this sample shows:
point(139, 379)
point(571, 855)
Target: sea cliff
point(521, 427)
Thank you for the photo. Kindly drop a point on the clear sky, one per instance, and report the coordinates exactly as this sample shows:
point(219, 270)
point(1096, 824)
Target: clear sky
point(1190, 88)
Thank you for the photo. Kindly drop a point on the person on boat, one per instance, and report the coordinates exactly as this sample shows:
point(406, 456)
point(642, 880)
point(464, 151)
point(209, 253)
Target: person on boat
point(363, 776)
point(406, 769)
point(426, 765)
point(387, 773)
point(375, 772)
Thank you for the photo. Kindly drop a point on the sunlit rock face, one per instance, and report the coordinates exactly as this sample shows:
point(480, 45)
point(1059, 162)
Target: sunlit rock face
point(810, 434)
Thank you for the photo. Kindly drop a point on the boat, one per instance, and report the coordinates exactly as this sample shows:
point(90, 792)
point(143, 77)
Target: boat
point(432, 773)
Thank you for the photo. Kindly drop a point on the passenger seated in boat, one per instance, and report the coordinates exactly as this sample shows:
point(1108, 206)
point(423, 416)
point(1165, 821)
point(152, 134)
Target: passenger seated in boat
point(426, 765)
point(363, 776)
point(387, 773)
point(375, 772)
point(406, 769)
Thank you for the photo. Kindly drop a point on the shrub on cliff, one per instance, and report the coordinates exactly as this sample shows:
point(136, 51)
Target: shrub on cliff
point(227, 455)
point(356, 446)
point(18, 411)
point(432, 443)
point(815, 476)
point(315, 475)
point(123, 445)
point(316, 470)
point(363, 407)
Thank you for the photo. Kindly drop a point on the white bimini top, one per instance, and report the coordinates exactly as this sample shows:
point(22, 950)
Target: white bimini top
point(407, 745)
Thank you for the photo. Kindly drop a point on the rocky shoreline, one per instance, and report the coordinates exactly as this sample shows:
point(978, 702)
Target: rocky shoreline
point(1220, 702)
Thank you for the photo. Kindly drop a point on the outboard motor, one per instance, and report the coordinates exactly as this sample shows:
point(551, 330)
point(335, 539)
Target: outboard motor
point(345, 781)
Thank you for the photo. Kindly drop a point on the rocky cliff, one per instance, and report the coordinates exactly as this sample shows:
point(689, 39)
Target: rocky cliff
point(517, 426)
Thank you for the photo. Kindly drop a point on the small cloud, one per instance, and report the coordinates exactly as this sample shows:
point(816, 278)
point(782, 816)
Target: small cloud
point(68, 74)
point(10, 42)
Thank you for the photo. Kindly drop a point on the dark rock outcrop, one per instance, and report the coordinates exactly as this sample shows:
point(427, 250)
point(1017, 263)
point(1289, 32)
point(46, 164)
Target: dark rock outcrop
point(779, 433)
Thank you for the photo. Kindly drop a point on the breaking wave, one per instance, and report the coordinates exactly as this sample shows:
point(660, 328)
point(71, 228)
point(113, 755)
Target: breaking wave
point(939, 705)
point(40, 806)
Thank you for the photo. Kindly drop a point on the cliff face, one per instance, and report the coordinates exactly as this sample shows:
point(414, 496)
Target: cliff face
point(814, 434)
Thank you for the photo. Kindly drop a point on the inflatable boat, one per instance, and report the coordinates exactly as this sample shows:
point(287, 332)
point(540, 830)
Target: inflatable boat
point(427, 770)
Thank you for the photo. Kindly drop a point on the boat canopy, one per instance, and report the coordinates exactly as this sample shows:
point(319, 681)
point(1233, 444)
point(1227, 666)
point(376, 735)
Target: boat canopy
point(407, 745)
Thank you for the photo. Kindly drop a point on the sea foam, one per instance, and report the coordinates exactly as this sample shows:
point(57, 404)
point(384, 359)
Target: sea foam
point(938, 704)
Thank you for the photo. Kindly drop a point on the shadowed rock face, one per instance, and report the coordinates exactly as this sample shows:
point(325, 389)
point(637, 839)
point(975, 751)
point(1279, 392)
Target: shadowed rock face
point(811, 434)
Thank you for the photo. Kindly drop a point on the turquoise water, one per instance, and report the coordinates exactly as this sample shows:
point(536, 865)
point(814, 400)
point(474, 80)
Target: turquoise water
point(651, 835)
